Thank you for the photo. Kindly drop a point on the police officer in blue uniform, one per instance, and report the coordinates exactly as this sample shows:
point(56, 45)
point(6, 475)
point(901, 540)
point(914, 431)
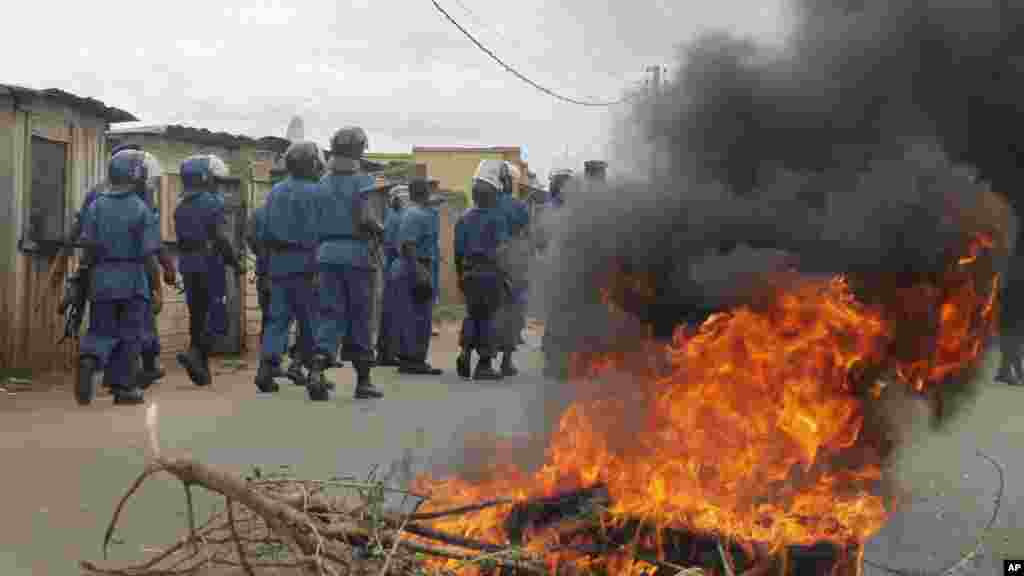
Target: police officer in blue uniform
point(512, 315)
point(386, 345)
point(348, 260)
point(201, 227)
point(480, 236)
point(151, 369)
point(417, 241)
point(122, 234)
point(291, 240)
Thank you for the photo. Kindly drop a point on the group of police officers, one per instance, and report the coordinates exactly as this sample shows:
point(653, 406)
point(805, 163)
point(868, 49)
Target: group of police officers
point(319, 245)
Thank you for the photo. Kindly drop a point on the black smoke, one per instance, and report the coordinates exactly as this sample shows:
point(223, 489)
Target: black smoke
point(851, 147)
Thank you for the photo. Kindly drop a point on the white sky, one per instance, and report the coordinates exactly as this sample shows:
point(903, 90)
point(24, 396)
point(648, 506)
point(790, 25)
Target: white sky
point(395, 67)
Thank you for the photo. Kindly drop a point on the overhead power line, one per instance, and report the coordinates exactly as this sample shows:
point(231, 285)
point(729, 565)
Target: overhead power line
point(522, 77)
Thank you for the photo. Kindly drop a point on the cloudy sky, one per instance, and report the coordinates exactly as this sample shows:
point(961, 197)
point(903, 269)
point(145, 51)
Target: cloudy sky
point(395, 67)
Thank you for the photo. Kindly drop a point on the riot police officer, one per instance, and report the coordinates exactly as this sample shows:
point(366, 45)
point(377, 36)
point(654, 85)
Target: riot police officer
point(290, 237)
point(347, 262)
point(417, 241)
point(121, 233)
point(512, 315)
point(201, 227)
point(480, 236)
point(555, 365)
point(150, 352)
point(386, 342)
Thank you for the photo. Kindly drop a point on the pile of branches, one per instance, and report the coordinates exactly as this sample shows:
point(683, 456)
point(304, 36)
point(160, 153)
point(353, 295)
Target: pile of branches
point(280, 525)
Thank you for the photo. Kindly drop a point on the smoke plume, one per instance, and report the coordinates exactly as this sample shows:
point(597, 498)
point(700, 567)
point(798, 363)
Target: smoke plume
point(854, 147)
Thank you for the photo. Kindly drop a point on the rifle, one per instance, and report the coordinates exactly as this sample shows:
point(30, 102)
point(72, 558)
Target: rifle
point(72, 305)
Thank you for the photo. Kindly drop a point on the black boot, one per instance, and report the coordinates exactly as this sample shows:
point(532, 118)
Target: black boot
point(386, 359)
point(128, 396)
point(507, 367)
point(484, 370)
point(295, 373)
point(192, 362)
point(316, 385)
point(463, 362)
point(151, 371)
point(85, 387)
point(265, 377)
point(419, 367)
point(364, 388)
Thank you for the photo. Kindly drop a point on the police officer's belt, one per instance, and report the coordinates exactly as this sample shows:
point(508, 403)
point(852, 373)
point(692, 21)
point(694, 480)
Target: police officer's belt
point(278, 246)
point(193, 245)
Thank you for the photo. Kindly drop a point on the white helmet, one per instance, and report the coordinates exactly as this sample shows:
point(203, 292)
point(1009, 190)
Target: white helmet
point(490, 171)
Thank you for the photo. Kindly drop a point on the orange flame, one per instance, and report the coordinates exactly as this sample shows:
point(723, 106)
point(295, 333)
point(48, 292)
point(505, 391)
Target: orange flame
point(754, 432)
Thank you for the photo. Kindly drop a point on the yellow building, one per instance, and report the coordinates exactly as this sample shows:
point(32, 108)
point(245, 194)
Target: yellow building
point(454, 166)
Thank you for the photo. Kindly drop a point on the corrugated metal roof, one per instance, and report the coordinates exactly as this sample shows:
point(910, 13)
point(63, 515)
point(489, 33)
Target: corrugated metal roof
point(108, 113)
point(204, 136)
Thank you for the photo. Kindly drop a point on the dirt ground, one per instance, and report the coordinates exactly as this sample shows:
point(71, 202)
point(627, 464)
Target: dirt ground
point(65, 466)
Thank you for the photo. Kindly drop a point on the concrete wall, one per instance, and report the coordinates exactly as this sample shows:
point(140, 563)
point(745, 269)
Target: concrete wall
point(31, 285)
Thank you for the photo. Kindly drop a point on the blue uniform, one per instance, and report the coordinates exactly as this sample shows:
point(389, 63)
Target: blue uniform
point(413, 322)
point(478, 235)
point(435, 272)
point(102, 356)
point(218, 284)
point(346, 267)
point(512, 318)
point(196, 219)
point(387, 316)
point(291, 239)
point(150, 344)
point(125, 232)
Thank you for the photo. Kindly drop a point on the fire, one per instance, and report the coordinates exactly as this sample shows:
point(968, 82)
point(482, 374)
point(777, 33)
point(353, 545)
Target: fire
point(754, 432)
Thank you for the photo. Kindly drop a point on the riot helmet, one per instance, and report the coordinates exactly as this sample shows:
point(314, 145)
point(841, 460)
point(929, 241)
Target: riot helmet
point(347, 146)
point(509, 178)
point(304, 160)
point(398, 196)
point(136, 170)
point(491, 172)
point(557, 182)
point(203, 171)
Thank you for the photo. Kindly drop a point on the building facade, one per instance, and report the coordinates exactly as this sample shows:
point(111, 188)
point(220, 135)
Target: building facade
point(53, 148)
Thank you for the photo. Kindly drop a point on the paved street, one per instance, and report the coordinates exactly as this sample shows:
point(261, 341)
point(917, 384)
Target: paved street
point(65, 467)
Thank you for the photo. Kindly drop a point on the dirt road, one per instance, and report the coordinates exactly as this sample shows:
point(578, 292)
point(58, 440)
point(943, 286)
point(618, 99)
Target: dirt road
point(64, 466)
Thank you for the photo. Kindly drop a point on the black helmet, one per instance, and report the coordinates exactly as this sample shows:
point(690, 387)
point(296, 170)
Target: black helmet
point(349, 142)
point(347, 147)
point(304, 160)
